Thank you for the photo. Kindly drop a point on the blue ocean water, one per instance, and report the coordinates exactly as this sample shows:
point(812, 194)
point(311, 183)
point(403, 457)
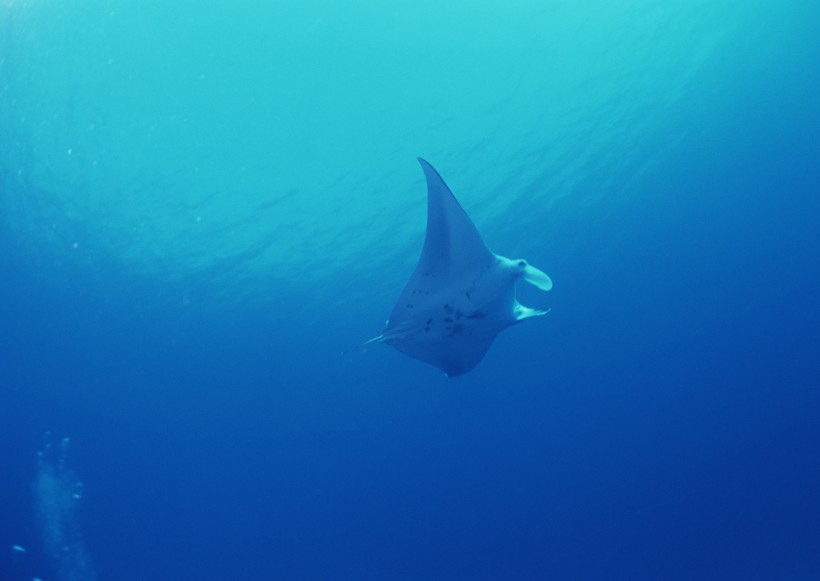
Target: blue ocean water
point(205, 210)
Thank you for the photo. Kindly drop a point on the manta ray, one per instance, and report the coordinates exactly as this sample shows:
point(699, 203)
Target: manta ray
point(461, 294)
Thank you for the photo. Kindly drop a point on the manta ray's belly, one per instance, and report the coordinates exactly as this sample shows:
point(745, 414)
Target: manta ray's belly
point(474, 310)
point(451, 322)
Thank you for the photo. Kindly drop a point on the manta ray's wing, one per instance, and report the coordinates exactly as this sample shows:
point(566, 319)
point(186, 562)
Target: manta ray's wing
point(453, 249)
point(452, 245)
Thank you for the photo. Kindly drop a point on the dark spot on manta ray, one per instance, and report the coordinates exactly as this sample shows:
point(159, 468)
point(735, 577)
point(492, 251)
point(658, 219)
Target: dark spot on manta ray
point(448, 309)
point(455, 329)
point(476, 315)
point(448, 320)
point(467, 293)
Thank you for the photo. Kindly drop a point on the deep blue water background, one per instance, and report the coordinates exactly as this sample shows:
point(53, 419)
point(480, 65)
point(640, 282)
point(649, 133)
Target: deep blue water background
point(204, 210)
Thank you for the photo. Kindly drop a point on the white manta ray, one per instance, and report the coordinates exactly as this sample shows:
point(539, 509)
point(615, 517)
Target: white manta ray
point(461, 294)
